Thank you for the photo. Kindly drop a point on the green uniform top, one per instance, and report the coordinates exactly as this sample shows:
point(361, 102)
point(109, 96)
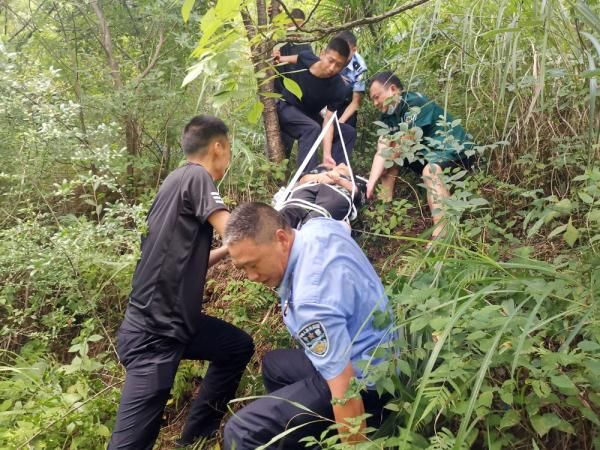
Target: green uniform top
point(447, 146)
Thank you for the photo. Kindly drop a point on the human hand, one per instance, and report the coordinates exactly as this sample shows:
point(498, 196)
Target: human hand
point(328, 161)
point(325, 178)
point(276, 56)
point(370, 191)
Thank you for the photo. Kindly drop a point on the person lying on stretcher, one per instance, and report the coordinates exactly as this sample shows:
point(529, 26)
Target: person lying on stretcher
point(324, 192)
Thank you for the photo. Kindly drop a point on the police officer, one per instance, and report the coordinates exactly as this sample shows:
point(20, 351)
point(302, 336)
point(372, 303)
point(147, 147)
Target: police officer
point(354, 74)
point(164, 322)
point(441, 148)
point(329, 294)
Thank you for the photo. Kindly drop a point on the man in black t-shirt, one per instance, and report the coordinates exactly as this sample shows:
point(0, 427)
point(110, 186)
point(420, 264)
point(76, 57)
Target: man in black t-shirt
point(164, 322)
point(322, 87)
point(297, 19)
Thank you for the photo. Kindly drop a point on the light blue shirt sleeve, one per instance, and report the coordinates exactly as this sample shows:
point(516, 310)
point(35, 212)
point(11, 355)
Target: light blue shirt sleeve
point(323, 332)
point(359, 85)
point(360, 74)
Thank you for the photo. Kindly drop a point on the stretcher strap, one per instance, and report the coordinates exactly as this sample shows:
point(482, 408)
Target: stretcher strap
point(352, 209)
point(282, 199)
point(307, 159)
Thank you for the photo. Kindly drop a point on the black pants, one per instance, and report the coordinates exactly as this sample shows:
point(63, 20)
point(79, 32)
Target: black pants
point(151, 362)
point(335, 203)
point(290, 376)
point(297, 125)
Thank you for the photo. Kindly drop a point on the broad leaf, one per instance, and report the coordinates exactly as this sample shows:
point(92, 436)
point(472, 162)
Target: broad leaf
point(186, 9)
point(293, 87)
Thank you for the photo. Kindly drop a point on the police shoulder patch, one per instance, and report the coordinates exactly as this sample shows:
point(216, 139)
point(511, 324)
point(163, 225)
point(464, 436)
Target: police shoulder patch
point(314, 338)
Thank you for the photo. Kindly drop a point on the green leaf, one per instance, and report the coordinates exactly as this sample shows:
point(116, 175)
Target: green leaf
point(564, 384)
point(255, 112)
point(586, 198)
point(557, 231)
point(392, 407)
point(186, 9)
point(594, 216)
point(405, 367)
point(541, 388)
point(227, 9)
point(571, 234)
point(485, 399)
point(418, 324)
point(388, 385)
point(543, 424)
point(588, 346)
point(590, 73)
point(380, 124)
point(102, 430)
point(564, 206)
point(509, 419)
point(293, 87)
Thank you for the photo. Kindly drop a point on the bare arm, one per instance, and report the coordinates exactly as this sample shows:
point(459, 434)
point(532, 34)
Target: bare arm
point(378, 166)
point(352, 107)
point(218, 220)
point(291, 59)
point(353, 407)
point(328, 141)
point(217, 255)
point(278, 58)
point(324, 178)
point(346, 184)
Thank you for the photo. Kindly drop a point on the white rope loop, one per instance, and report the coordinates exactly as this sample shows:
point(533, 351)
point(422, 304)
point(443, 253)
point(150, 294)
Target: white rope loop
point(283, 199)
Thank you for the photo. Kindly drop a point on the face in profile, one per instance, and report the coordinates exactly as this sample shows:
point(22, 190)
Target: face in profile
point(332, 63)
point(265, 262)
point(382, 96)
point(222, 149)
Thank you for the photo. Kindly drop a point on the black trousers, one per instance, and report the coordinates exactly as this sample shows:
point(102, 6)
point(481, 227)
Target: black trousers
point(151, 362)
point(295, 124)
point(321, 195)
point(289, 378)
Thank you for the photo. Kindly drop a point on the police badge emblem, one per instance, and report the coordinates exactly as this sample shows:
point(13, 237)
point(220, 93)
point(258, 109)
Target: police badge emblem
point(314, 338)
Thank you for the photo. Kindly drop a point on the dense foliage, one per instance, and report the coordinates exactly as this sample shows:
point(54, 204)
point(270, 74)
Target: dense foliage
point(499, 324)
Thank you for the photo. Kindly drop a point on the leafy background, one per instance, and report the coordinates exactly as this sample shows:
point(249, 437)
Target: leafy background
point(498, 323)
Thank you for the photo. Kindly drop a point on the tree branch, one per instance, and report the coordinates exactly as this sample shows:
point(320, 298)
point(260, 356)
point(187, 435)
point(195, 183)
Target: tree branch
point(248, 24)
point(153, 60)
point(319, 33)
point(106, 41)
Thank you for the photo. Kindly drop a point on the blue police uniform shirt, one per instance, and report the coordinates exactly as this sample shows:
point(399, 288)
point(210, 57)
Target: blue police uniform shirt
point(329, 294)
point(355, 72)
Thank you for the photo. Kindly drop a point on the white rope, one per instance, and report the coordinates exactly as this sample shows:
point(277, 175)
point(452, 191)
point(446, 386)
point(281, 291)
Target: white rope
point(352, 210)
point(281, 199)
point(300, 170)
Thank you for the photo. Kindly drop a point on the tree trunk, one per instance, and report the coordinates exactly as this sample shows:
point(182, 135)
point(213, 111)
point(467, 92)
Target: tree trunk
point(129, 121)
point(274, 144)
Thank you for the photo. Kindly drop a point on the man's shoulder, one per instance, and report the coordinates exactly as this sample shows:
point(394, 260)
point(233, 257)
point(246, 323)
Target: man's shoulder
point(414, 98)
point(358, 63)
point(307, 58)
point(313, 228)
point(186, 177)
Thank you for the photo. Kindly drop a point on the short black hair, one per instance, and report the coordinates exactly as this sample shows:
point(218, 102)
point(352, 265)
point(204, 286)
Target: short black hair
point(200, 131)
point(339, 45)
point(387, 78)
point(348, 36)
point(297, 13)
point(256, 221)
